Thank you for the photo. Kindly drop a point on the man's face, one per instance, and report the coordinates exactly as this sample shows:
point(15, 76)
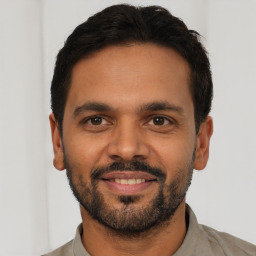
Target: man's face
point(129, 140)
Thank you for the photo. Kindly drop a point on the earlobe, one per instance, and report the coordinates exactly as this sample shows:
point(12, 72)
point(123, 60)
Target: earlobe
point(203, 144)
point(58, 160)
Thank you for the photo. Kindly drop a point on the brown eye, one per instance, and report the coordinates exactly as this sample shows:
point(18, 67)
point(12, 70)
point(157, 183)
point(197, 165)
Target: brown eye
point(96, 120)
point(159, 120)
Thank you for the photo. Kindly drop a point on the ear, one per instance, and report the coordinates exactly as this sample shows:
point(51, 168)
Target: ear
point(58, 160)
point(203, 144)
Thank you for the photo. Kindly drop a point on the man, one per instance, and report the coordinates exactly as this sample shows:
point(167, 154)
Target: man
point(131, 94)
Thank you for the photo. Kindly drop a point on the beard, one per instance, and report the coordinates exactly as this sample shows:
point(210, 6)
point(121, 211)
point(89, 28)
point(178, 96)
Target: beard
point(131, 219)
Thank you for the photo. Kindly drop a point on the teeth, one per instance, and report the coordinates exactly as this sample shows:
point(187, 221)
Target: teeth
point(138, 181)
point(124, 181)
point(129, 181)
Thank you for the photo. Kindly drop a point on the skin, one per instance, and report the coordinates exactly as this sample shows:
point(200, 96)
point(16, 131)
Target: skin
point(126, 78)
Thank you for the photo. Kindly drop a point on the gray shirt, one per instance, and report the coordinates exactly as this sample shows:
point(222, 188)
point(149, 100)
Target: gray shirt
point(200, 240)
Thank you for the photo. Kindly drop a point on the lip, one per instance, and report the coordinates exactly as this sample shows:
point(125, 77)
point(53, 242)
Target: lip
point(127, 189)
point(128, 175)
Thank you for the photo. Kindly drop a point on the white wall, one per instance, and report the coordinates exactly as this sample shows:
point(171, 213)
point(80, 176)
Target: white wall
point(23, 213)
point(38, 212)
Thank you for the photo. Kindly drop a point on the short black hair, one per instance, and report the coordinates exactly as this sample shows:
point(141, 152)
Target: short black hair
point(123, 24)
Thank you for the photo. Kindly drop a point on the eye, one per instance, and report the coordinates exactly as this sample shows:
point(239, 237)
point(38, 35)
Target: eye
point(159, 121)
point(96, 123)
point(97, 120)
point(161, 124)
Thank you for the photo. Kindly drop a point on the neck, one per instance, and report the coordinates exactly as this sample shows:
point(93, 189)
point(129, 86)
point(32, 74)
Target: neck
point(163, 240)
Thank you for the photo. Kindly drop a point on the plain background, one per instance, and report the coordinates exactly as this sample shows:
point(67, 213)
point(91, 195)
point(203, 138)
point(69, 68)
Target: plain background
point(38, 212)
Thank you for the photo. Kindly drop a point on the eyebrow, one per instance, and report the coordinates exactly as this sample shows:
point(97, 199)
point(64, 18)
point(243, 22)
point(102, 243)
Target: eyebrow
point(148, 107)
point(91, 106)
point(160, 105)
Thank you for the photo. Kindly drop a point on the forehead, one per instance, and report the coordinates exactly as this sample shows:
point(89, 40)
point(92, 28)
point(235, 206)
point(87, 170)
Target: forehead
point(128, 75)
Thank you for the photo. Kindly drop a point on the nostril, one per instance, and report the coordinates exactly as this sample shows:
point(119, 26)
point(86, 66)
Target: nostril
point(127, 149)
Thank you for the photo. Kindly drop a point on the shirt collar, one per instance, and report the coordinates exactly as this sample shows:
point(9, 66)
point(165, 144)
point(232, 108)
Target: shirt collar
point(78, 247)
point(194, 242)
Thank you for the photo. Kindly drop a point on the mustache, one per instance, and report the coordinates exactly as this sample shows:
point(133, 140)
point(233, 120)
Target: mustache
point(128, 166)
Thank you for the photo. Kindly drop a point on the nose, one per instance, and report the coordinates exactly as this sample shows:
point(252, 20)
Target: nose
point(127, 144)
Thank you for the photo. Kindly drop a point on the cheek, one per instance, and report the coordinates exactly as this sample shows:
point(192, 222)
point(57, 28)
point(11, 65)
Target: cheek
point(84, 152)
point(173, 154)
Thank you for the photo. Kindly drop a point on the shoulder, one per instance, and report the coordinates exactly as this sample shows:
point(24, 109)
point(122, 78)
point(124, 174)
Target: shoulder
point(65, 250)
point(230, 245)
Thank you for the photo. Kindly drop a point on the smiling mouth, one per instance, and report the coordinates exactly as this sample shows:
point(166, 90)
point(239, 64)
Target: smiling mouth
point(128, 182)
